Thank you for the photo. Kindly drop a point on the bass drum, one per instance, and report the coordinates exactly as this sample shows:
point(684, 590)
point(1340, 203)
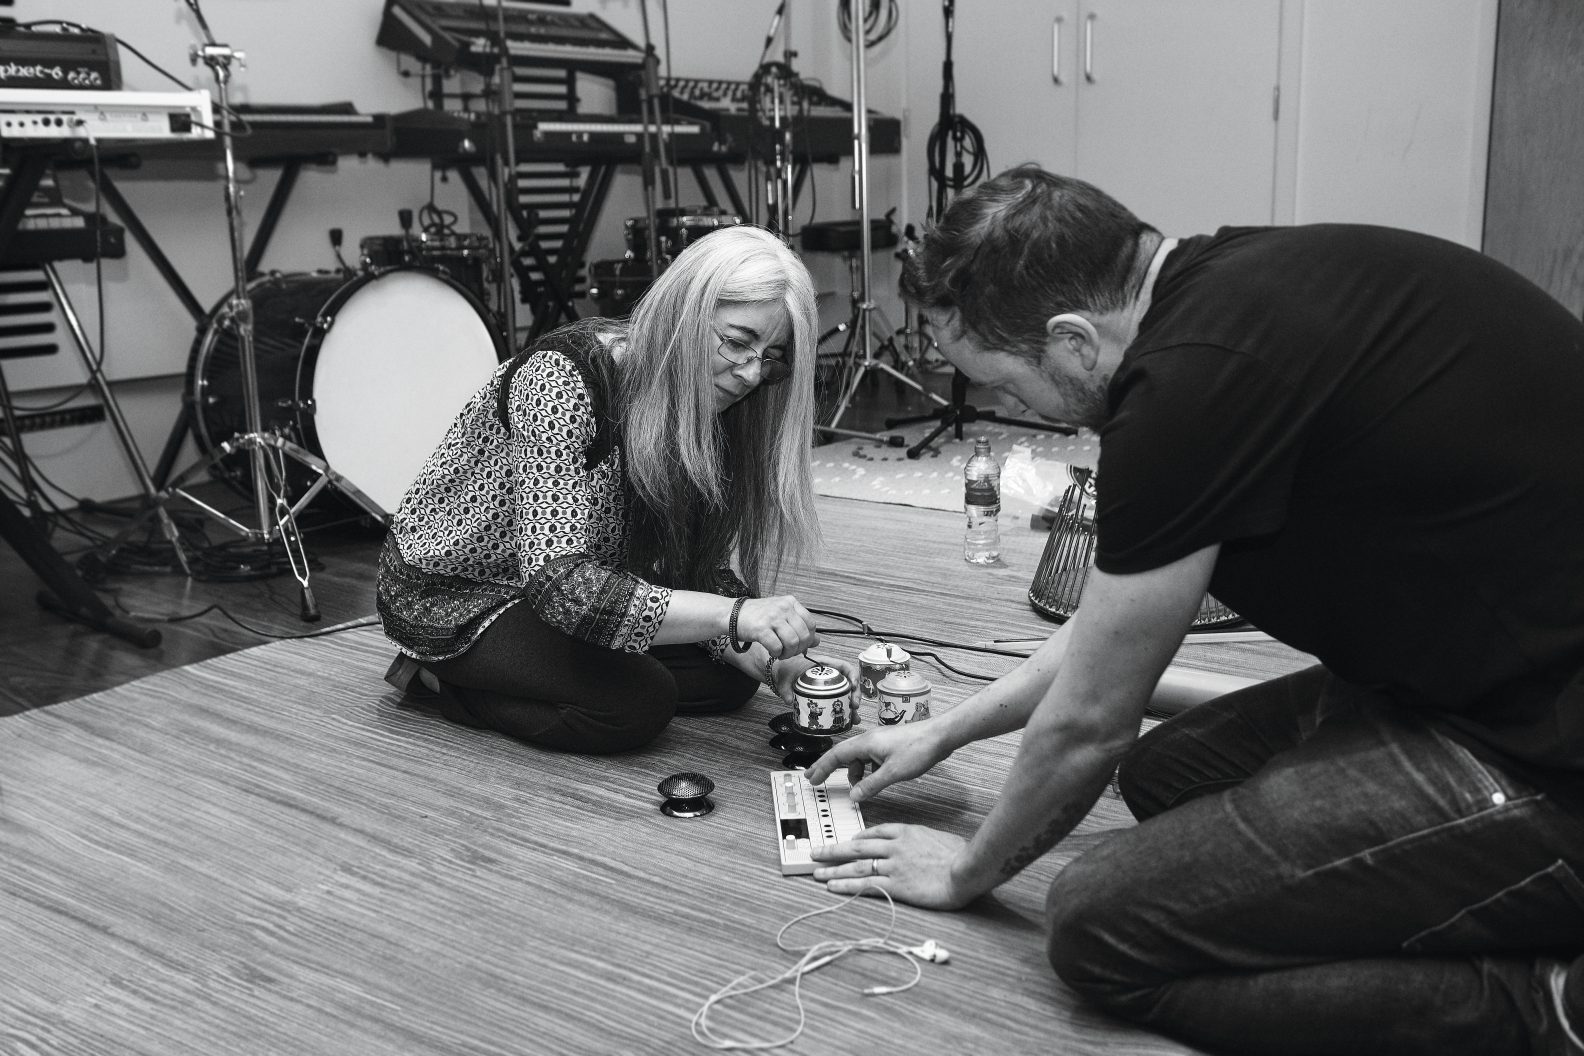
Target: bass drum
point(365, 371)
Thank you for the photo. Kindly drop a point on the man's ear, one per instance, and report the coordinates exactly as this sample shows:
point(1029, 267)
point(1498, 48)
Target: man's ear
point(1072, 335)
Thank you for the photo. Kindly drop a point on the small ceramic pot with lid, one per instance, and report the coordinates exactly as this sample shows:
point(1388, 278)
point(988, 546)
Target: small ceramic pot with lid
point(824, 701)
point(904, 697)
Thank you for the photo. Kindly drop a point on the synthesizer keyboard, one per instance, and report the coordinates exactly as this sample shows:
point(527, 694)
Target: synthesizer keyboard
point(463, 33)
point(809, 817)
point(821, 122)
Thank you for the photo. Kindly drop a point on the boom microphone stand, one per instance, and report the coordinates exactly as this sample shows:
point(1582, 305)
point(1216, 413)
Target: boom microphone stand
point(964, 140)
point(266, 451)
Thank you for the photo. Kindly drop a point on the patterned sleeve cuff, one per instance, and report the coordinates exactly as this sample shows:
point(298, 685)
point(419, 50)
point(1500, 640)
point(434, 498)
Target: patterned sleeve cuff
point(649, 614)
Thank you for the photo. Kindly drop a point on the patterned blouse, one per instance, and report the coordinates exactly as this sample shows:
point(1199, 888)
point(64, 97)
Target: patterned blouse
point(525, 501)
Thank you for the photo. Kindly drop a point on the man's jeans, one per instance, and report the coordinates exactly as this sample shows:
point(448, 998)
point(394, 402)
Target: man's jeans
point(1320, 871)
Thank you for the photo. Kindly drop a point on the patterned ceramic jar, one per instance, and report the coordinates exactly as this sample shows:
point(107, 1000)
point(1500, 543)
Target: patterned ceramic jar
point(824, 701)
point(904, 697)
point(874, 663)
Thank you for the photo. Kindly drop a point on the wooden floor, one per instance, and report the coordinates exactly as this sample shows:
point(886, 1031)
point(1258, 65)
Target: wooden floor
point(46, 659)
point(271, 851)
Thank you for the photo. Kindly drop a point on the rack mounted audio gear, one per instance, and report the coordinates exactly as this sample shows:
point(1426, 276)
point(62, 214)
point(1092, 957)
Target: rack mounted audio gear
point(56, 115)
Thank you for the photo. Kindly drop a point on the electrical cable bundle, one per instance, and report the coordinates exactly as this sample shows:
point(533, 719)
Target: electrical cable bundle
point(880, 18)
point(971, 161)
point(954, 134)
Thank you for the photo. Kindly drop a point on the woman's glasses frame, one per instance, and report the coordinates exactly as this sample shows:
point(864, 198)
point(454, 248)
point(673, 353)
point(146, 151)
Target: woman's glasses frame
point(772, 369)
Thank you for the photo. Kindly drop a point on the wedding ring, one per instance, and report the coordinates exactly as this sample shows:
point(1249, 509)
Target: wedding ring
point(874, 867)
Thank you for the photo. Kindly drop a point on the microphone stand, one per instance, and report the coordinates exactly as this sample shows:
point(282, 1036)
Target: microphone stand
point(959, 411)
point(861, 337)
point(506, 175)
point(656, 167)
point(266, 451)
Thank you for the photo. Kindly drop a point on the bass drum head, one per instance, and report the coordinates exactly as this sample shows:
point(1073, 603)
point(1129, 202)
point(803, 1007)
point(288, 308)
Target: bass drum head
point(405, 350)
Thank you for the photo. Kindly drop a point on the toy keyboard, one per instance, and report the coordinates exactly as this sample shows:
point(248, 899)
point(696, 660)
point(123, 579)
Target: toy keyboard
point(808, 817)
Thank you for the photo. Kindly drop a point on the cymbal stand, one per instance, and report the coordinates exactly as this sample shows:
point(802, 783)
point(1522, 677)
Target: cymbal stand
point(861, 339)
point(266, 450)
point(775, 84)
point(654, 161)
point(778, 85)
point(506, 175)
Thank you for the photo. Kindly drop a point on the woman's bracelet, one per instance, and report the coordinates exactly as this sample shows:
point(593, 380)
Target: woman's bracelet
point(737, 644)
point(769, 675)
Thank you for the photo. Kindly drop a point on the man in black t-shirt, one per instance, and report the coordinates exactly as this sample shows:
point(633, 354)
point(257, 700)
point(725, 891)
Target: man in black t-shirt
point(1370, 443)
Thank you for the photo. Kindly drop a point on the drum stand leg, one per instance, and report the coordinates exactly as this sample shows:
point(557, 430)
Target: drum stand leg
point(858, 357)
point(266, 451)
point(280, 523)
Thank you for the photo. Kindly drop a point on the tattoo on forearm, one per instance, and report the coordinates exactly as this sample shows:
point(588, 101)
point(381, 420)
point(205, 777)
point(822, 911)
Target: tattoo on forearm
point(1063, 823)
point(1059, 826)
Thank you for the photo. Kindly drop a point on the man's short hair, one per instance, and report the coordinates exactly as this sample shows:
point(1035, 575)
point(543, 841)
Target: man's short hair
point(1020, 248)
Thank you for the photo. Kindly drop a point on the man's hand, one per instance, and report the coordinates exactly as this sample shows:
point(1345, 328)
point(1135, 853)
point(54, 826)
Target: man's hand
point(897, 752)
point(910, 863)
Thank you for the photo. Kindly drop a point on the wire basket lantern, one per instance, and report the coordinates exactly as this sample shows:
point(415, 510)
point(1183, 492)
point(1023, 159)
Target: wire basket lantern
point(1069, 555)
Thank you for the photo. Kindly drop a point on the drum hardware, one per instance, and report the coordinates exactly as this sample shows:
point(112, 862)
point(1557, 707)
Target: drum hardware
point(464, 257)
point(858, 353)
point(864, 338)
point(656, 161)
point(266, 452)
point(616, 285)
point(773, 92)
point(364, 371)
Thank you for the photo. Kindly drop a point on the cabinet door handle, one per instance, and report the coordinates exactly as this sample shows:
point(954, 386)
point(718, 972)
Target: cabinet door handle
point(1089, 21)
point(1056, 24)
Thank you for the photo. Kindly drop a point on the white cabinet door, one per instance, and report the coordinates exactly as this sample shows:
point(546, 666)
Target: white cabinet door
point(1165, 104)
point(1005, 56)
point(1394, 115)
point(1176, 108)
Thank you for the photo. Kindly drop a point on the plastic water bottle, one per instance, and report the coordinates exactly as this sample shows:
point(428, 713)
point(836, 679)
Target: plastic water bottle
point(982, 503)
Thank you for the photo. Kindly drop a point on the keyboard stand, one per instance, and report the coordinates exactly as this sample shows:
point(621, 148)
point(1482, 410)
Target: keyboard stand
point(65, 592)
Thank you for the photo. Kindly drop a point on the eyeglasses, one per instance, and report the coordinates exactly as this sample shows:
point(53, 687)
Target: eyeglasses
point(739, 354)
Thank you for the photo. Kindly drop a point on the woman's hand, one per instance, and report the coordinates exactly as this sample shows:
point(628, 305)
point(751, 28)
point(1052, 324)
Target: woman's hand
point(781, 624)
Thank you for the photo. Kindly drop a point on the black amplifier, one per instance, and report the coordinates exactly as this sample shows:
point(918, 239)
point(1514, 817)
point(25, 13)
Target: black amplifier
point(59, 60)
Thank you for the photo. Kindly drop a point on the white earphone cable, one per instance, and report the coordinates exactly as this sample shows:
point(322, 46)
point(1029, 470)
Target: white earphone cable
point(814, 957)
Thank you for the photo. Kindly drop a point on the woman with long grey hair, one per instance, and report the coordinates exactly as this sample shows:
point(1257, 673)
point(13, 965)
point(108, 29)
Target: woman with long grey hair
point(581, 558)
